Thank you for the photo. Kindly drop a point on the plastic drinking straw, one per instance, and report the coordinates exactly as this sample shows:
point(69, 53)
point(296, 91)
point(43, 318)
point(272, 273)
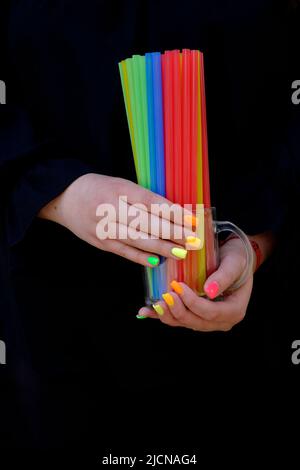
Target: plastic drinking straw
point(201, 277)
point(159, 123)
point(140, 75)
point(193, 265)
point(168, 122)
point(151, 122)
point(177, 132)
point(137, 137)
point(206, 185)
point(186, 146)
point(194, 125)
point(125, 88)
point(186, 125)
point(152, 158)
point(209, 236)
point(161, 272)
point(168, 127)
point(139, 116)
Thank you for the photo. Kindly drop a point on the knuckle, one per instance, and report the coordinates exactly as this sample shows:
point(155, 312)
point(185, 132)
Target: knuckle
point(122, 250)
point(179, 314)
point(226, 328)
point(192, 304)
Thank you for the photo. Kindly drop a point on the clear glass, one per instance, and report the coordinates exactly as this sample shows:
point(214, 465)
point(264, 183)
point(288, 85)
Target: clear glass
point(199, 264)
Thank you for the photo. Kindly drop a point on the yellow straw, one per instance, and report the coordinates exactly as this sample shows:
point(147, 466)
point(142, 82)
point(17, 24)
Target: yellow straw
point(200, 228)
point(128, 106)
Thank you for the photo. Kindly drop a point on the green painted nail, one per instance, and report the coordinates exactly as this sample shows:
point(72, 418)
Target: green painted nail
point(141, 317)
point(179, 253)
point(153, 260)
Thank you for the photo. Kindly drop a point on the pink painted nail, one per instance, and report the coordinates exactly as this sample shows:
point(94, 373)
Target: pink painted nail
point(212, 289)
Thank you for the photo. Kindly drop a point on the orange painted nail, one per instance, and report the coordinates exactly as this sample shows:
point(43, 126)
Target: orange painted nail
point(176, 287)
point(191, 220)
point(168, 299)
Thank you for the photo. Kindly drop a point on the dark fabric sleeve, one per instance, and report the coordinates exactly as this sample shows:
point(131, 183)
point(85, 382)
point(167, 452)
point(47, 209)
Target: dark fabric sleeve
point(32, 173)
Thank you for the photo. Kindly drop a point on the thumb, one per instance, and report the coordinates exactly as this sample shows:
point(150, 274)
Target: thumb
point(229, 271)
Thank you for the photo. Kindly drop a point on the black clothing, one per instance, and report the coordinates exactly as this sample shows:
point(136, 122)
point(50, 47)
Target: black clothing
point(74, 306)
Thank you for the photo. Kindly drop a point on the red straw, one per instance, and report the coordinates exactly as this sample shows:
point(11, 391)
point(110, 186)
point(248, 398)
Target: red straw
point(186, 125)
point(205, 164)
point(177, 143)
point(168, 120)
point(194, 127)
point(211, 262)
point(187, 145)
point(192, 264)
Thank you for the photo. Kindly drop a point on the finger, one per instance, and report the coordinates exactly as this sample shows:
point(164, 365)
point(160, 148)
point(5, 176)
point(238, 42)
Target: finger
point(132, 254)
point(169, 320)
point(144, 243)
point(164, 314)
point(203, 308)
point(185, 317)
point(146, 312)
point(158, 225)
point(231, 309)
point(138, 195)
point(231, 267)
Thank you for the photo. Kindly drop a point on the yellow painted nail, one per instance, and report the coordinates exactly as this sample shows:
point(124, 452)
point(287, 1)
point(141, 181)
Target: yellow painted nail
point(159, 310)
point(168, 299)
point(179, 253)
point(176, 287)
point(194, 242)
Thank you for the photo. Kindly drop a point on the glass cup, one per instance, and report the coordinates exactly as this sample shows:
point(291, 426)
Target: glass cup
point(199, 264)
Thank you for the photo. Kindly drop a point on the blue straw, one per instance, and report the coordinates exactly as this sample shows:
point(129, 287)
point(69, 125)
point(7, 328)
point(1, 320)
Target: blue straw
point(151, 122)
point(159, 123)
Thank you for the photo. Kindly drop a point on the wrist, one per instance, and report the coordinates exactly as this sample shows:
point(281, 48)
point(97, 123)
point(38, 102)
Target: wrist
point(258, 257)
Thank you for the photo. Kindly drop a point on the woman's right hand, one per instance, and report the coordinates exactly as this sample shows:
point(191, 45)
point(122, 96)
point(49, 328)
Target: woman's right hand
point(76, 209)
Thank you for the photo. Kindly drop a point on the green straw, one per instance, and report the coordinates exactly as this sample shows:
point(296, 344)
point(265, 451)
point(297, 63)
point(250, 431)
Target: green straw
point(143, 84)
point(142, 152)
point(128, 106)
point(133, 101)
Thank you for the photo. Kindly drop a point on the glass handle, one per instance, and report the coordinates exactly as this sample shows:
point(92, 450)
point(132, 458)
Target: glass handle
point(229, 227)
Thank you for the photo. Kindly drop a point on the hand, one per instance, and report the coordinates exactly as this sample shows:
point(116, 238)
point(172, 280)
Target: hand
point(76, 209)
point(184, 308)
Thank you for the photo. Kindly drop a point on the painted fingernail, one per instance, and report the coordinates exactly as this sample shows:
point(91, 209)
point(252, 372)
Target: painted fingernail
point(191, 220)
point(212, 289)
point(194, 242)
point(179, 253)
point(159, 310)
point(176, 287)
point(168, 299)
point(153, 260)
point(142, 317)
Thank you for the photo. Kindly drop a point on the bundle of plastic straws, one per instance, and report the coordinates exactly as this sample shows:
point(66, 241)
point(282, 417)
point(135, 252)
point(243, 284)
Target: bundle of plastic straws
point(165, 104)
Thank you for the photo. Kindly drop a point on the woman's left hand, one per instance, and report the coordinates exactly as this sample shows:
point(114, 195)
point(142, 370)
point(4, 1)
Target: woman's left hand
point(184, 308)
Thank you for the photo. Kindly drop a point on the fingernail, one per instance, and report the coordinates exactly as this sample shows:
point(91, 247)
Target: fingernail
point(176, 287)
point(153, 260)
point(168, 299)
point(212, 289)
point(159, 310)
point(179, 253)
point(142, 317)
point(194, 242)
point(191, 220)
